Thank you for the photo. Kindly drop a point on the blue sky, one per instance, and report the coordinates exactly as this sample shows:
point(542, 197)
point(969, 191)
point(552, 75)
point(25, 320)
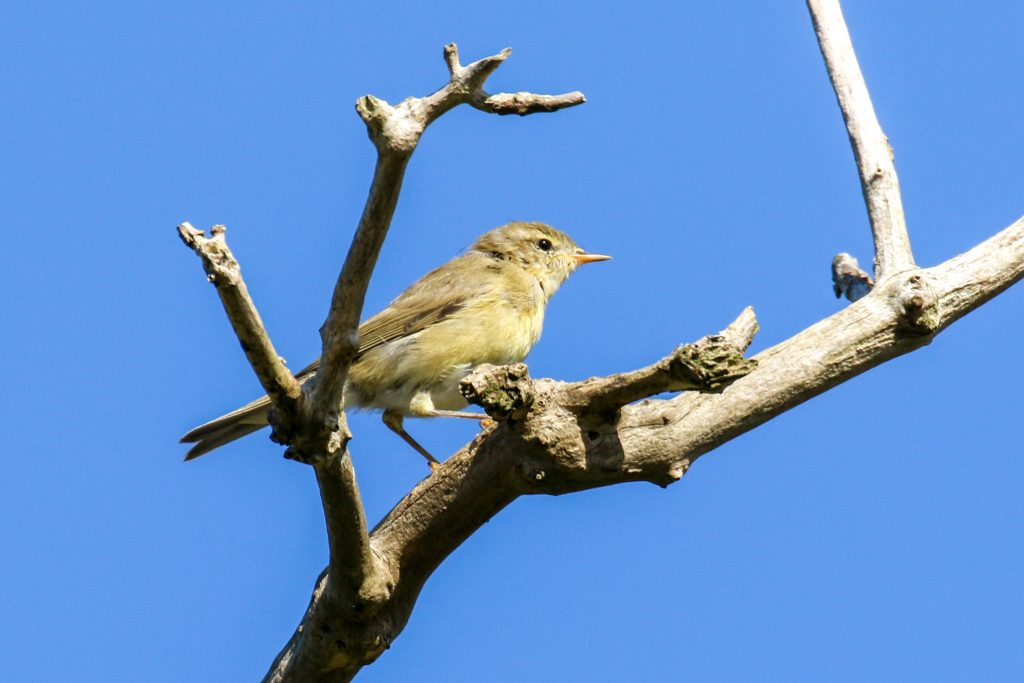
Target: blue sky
point(873, 533)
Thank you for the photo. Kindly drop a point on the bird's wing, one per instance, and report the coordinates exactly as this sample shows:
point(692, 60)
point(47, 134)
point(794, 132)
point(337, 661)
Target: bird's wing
point(435, 297)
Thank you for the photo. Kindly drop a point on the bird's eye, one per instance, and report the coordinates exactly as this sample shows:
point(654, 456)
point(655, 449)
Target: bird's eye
point(544, 244)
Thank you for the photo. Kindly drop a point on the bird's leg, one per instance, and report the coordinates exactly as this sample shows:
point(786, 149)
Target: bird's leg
point(485, 421)
point(454, 413)
point(394, 420)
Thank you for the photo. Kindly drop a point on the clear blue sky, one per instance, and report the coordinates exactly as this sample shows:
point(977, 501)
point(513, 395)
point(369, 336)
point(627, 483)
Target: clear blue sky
point(873, 533)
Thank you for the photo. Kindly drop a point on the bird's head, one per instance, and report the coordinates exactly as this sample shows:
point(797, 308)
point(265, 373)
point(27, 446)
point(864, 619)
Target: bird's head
point(544, 252)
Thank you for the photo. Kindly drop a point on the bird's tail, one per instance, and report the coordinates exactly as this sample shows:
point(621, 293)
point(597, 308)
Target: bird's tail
point(227, 428)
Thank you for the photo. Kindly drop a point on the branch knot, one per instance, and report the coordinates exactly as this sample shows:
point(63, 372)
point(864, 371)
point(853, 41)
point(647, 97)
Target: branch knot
point(709, 365)
point(919, 306)
point(503, 391)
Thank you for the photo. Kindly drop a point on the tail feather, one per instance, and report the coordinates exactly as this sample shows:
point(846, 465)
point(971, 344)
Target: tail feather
point(227, 428)
point(217, 440)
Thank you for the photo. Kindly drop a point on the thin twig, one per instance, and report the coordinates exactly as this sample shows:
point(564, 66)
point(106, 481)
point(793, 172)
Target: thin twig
point(871, 148)
point(338, 333)
point(353, 568)
point(223, 271)
point(708, 366)
point(741, 331)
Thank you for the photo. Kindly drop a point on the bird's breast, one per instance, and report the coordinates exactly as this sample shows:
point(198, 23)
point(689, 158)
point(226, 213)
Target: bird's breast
point(497, 326)
point(499, 330)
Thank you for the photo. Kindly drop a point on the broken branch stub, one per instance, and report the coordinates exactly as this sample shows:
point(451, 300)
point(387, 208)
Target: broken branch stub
point(503, 391)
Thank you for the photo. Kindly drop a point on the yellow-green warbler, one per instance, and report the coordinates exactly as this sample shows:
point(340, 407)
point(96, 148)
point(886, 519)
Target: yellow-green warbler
point(484, 306)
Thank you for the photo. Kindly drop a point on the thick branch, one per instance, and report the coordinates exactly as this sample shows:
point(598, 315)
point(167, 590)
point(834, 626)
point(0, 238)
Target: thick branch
point(356, 573)
point(976, 276)
point(503, 391)
point(226, 275)
point(870, 145)
point(897, 317)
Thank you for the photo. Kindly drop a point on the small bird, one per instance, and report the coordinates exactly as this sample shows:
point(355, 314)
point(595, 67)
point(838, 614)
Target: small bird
point(484, 306)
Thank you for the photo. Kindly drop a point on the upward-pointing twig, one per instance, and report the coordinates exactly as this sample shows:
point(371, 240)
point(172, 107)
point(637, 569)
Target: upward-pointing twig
point(870, 145)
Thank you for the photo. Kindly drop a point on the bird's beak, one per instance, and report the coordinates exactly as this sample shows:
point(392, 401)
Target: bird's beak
point(589, 258)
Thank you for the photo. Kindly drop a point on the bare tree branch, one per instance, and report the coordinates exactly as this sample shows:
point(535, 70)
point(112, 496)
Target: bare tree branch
point(338, 334)
point(354, 569)
point(223, 271)
point(870, 145)
point(521, 103)
point(709, 365)
point(741, 331)
point(900, 316)
point(976, 276)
